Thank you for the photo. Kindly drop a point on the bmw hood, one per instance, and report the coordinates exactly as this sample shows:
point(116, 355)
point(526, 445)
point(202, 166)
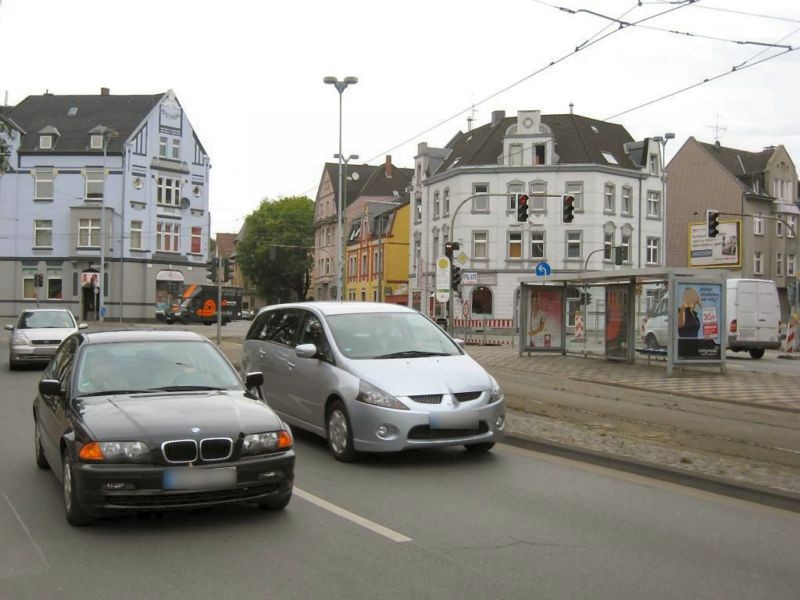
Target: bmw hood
point(175, 415)
point(423, 375)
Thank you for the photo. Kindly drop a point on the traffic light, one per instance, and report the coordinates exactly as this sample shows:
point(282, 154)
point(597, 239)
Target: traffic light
point(455, 277)
point(569, 208)
point(712, 223)
point(522, 208)
point(619, 254)
point(211, 270)
point(227, 269)
point(450, 248)
point(39, 280)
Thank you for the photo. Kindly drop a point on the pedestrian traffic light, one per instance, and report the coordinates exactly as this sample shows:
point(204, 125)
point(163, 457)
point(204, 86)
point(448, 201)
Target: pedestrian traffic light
point(522, 208)
point(455, 277)
point(712, 223)
point(39, 280)
point(569, 208)
point(227, 269)
point(211, 270)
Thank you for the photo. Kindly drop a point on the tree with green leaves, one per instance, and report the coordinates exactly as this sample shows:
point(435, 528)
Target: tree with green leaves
point(5, 130)
point(275, 253)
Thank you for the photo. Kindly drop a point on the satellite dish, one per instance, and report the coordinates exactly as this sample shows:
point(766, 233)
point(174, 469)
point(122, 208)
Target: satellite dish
point(185, 202)
point(355, 176)
point(137, 183)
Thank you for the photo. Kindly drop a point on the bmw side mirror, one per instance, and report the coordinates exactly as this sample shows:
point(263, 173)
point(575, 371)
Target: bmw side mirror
point(83, 326)
point(254, 380)
point(306, 351)
point(50, 387)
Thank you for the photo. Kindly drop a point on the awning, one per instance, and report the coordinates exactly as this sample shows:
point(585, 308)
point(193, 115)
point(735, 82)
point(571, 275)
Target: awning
point(169, 276)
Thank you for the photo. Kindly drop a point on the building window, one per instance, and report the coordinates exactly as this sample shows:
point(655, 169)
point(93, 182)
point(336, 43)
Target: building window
point(513, 190)
point(625, 242)
point(480, 245)
point(515, 155)
point(480, 204)
point(375, 266)
point(197, 239)
point(363, 295)
point(327, 266)
point(608, 198)
point(627, 200)
point(515, 244)
point(575, 189)
point(363, 272)
point(436, 205)
point(44, 184)
point(176, 149)
point(537, 245)
point(654, 164)
point(54, 284)
point(653, 204)
point(538, 154)
point(169, 191)
point(89, 233)
point(351, 266)
point(162, 147)
point(417, 210)
point(374, 295)
point(482, 301)
point(791, 228)
point(136, 235)
point(538, 201)
point(758, 224)
point(790, 265)
point(758, 263)
point(574, 245)
point(778, 229)
point(329, 236)
point(45, 142)
point(779, 264)
point(417, 256)
point(28, 284)
point(42, 233)
point(653, 254)
point(446, 203)
point(608, 246)
point(96, 141)
point(168, 236)
point(95, 180)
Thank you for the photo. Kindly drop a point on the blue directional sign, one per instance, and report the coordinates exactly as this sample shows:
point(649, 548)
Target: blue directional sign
point(543, 268)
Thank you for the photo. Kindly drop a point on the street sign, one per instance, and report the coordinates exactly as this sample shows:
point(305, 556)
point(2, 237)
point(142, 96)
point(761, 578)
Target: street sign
point(462, 258)
point(442, 279)
point(543, 268)
point(469, 278)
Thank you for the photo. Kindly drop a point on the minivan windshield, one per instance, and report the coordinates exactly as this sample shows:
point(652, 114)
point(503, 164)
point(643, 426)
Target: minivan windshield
point(389, 335)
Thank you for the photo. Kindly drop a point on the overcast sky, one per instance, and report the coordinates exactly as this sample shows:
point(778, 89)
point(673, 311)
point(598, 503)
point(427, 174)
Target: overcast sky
point(249, 73)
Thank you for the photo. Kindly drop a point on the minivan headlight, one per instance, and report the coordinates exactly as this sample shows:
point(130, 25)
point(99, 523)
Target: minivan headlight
point(369, 394)
point(20, 339)
point(497, 393)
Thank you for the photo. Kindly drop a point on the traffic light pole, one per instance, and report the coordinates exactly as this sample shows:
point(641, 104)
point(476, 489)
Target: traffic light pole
point(220, 275)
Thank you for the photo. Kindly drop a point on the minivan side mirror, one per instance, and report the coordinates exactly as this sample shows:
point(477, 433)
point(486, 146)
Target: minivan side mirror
point(306, 350)
point(50, 387)
point(254, 380)
point(460, 342)
point(9, 327)
point(83, 326)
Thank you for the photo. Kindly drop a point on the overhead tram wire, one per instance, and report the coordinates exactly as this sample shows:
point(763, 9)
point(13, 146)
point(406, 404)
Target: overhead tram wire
point(750, 14)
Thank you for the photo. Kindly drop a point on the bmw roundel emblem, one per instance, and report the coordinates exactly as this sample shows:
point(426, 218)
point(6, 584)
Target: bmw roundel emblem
point(195, 430)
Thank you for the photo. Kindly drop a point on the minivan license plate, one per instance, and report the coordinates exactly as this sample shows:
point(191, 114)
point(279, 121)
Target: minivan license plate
point(453, 420)
point(188, 478)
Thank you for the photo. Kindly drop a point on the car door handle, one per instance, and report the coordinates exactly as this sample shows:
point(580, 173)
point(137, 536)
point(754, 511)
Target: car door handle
point(291, 365)
point(262, 353)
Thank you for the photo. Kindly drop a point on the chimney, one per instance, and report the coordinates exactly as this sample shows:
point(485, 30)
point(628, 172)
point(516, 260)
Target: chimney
point(571, 106)
point(105, 91)
point(717, 144)
point(388, 166)
point(497, 116)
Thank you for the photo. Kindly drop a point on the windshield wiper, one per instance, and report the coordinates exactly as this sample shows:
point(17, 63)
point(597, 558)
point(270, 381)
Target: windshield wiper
point(112, 393)
point(184, 388)
point(411, 354)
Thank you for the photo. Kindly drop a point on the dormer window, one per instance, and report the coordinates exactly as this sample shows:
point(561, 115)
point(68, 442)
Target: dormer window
point(96, 141)
point(45, 142)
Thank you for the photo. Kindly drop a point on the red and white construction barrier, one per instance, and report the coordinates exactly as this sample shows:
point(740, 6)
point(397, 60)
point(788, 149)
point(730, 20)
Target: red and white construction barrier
point(580, 332)
point(790, 350)
point(485, 323)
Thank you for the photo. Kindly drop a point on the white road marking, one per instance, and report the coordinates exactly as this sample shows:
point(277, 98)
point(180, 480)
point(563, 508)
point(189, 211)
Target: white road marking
point(26, 530)
point(346, 514)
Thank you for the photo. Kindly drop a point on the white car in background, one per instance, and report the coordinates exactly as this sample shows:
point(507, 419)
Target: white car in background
point(36, 334)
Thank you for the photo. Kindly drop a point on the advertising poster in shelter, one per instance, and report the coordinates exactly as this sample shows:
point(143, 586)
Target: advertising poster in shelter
point(699, 321)
point(544, 319)
point(617, 304)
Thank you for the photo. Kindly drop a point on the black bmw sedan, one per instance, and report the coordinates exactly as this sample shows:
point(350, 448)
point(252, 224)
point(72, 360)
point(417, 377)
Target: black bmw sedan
point(156, 420)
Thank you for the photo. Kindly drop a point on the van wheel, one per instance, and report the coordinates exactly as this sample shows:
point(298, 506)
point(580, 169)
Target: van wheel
point(651, 341)
point(340, 433)
point(757, 353)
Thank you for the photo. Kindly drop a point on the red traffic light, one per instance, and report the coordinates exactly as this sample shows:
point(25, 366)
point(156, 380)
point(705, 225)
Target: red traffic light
point(569, 208)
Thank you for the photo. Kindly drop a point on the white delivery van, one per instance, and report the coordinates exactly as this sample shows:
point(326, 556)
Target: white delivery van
point(752, 312)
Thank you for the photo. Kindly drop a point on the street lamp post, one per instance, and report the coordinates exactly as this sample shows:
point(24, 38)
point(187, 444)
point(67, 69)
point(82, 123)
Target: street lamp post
point(107, 133)
point(343, 194)
point(663, 141)
point(341, 86)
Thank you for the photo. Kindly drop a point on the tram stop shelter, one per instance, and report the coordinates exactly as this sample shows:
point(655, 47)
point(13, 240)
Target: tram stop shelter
point(627, 314)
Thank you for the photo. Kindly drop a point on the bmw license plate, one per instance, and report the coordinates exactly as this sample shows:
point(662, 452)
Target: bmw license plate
point(453, 420)
point(189, 478)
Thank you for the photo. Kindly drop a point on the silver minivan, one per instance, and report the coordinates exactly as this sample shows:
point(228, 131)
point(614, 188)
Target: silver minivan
point(372, 377)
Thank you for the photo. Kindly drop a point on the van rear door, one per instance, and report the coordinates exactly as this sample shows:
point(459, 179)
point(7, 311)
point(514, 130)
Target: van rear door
point(745, 311)
point(768, 313)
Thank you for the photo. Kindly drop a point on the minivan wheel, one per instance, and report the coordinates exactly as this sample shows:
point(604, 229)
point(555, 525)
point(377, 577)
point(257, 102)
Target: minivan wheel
point(757, 353)
point(339, 433)
point(651, 341)
point(480, 448)
point(41, 461)
point(76, 516)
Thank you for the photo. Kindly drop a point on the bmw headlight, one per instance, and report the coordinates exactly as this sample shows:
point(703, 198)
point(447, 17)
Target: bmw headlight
point(369, 394)
point(113, 451)
point(497, 393)
point(270, 441)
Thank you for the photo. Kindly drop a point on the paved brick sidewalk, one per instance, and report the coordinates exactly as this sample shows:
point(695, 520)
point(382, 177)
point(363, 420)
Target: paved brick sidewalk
point(759, 389)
